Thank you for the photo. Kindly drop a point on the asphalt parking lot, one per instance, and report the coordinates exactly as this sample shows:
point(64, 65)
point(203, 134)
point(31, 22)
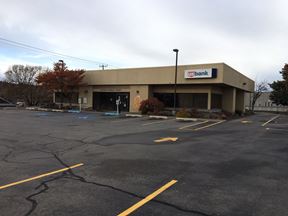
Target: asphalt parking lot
point(165, 167)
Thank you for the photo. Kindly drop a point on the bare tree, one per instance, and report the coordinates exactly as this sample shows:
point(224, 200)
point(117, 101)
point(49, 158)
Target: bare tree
point(20, 74)
point(259, 89)
point(25, 88)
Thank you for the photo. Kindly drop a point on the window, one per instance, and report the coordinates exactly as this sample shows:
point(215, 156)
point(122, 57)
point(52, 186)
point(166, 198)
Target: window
point(216, 101)
point(193, 100)
point(187, 100)
point(166, 98)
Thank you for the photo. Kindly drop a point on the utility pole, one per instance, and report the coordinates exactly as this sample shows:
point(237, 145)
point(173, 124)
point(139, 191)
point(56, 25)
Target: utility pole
point(103, 66)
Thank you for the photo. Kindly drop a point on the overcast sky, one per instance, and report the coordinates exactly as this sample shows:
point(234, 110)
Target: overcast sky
point(248, 35)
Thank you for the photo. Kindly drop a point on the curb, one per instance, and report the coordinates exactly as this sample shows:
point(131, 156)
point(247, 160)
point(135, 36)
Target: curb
point(111, 114)
point(134, 115)
point(45, 109)
point(186, 119)
point(158, 117)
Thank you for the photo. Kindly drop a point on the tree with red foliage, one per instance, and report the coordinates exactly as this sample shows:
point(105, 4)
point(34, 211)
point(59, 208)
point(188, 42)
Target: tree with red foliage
point(62, 80)
point(151, 106)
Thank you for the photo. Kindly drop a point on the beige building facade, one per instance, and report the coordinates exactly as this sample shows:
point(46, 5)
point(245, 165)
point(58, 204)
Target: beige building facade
point(201, 86)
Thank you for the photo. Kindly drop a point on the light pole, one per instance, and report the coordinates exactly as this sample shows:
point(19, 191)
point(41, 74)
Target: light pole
point(62, 63)
point(61, 80)
point(175, 81)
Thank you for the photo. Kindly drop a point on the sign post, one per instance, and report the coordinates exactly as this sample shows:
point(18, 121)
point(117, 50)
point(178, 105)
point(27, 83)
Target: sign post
point(117, 105)
point(80, 104)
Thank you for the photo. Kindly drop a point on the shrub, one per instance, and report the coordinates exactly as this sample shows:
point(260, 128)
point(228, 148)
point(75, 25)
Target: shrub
point(196, 114)
point(88, 109)
point(184, 113)
point(151, 105)
point(50, 105)
point(218, 115)
point(227, 114)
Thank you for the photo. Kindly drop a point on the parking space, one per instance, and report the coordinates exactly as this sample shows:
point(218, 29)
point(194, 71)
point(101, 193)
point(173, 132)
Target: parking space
point(139, 166)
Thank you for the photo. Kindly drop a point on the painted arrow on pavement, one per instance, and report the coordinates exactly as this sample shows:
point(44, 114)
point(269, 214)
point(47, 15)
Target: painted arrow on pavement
point(166, 139)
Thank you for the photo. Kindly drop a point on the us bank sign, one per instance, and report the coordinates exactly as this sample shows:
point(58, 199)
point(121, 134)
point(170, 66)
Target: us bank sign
point(200, 73)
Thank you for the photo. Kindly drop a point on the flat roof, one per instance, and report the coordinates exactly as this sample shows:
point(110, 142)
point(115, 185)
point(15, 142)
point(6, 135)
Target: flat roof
point(166, 74)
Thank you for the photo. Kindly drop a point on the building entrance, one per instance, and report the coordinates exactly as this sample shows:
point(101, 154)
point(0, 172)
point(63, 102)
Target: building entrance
point(106, 101)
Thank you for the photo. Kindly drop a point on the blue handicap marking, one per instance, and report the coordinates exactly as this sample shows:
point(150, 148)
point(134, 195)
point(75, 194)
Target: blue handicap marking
point(82, 117)
point(73, 111)
point(111, 114)
point(41, 114)
point(87, 117)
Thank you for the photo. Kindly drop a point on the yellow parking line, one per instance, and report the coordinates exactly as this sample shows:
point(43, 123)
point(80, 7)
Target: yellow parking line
point(187, 126)
point(196, 129)
point(40, 176)
point(158, 122)
point(147, 199)
point(272, 119)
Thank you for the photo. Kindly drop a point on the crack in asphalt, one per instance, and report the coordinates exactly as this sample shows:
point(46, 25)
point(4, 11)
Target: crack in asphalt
point(8, 154)
point(69, 174)
point(82, 179)
point(81, 141)
point(66, 139)
point(45, 186)
point(5, 157)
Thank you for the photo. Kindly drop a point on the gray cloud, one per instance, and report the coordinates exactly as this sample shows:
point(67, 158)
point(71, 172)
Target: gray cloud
point(249, 35)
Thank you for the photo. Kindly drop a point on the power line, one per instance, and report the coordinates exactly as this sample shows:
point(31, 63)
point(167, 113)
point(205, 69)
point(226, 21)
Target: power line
point(26, 46)
point(22, 45)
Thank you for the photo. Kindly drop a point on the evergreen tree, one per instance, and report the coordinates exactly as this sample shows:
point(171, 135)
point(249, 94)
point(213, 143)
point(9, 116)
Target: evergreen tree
point(279, 95)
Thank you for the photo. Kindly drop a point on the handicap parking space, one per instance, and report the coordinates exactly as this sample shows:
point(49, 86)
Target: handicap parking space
point(84, 116)
point(144, 122)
